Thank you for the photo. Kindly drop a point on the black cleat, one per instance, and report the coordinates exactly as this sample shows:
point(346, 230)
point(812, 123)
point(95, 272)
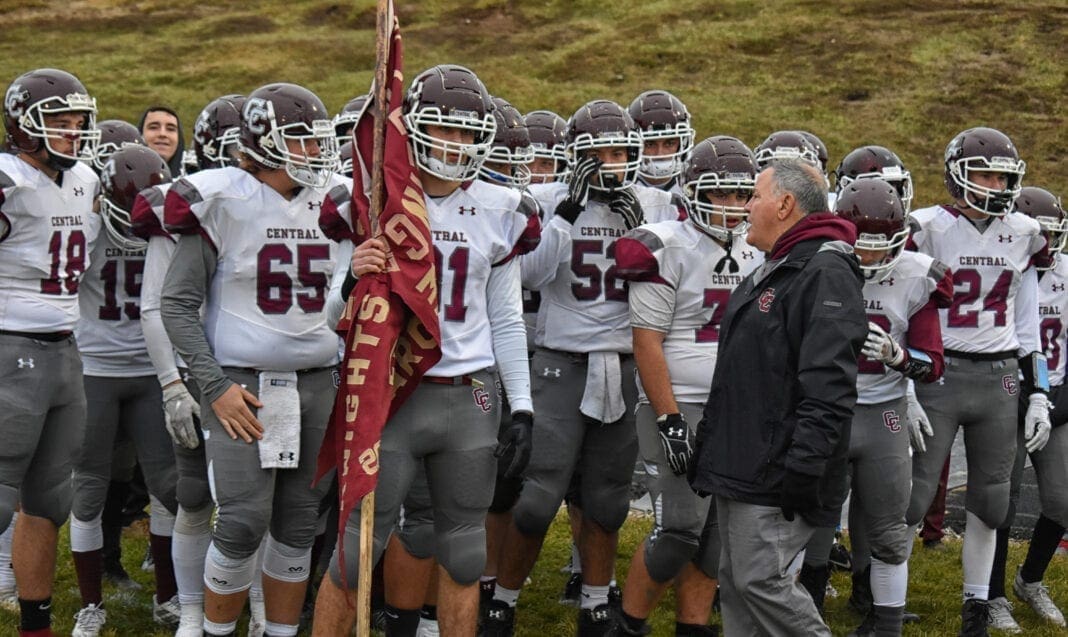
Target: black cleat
point(596, 622)
point(974, 616)
point(499, 620)
point(572, 591)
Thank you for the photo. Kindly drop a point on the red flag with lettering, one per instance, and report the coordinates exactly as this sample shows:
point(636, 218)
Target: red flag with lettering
point(390, 324)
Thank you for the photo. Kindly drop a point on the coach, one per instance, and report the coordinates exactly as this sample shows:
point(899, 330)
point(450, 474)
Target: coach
point(772, 445)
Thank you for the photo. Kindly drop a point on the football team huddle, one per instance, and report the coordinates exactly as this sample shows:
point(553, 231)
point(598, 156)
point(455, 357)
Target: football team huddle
point(180, 307)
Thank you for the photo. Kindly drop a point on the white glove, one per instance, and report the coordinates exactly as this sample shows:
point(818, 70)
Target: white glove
point(882, 347)
point(1036, 422)
point(179, 409)
point(919, 424)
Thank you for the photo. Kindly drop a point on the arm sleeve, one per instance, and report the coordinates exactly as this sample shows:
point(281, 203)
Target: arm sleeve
point(339, 292)
point(505, 308)
point(925, 335)
point(539, 267)
point(1026, 310)
point(160, 350)
point(188, 280)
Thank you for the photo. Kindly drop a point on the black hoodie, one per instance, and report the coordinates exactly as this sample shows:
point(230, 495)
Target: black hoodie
point(175, 162)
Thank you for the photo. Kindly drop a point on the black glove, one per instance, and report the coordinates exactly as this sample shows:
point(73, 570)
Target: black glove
point(677, 442)
point(800, 493)
point(578, 189)
point(625, 204)
point(517, 440)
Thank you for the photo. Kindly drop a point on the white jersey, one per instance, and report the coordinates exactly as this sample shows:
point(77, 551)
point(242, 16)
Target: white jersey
point(891, 303)
point(109, 329)
point(51, 228)
point(1053, 319)
point(680, 281)
point(264, 308)
point(988, 268)
point(583, 299)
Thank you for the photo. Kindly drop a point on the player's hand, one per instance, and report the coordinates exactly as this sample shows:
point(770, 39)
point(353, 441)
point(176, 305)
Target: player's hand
point(518, 441)
point(179, 410)
point(800, 493)
point(677, 441)
point(370, 257)
point(882, 347)
point(232, 411)
point(578, 189)
point(1036, 422)
point(625, 204)
point(919, 423)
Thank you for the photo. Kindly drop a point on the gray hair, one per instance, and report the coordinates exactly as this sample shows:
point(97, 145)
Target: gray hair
point(806, 183)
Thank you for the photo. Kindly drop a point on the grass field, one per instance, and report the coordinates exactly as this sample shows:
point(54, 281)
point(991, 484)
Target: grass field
point(907, 74)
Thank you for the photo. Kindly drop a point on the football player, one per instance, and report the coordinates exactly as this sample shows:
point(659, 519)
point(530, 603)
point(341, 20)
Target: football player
point(990, 335)
point(114, 134)
point(346, 118)
point(47, 229)
point(668, 138)
point(681, 274)
point(216, 133)
point(548, 138)
point(263, 356)
point(478, 229)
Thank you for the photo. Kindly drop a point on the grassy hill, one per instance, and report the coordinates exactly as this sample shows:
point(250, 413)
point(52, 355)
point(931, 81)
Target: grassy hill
point(906, 74)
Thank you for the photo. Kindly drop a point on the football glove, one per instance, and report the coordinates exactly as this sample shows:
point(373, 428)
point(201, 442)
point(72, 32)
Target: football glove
point(179, 410)
point(578, 189)
point(882, 347)
point(919, 423)
point(625, 204)
point(1036, 422)
point(517, 440)
point(677, 441)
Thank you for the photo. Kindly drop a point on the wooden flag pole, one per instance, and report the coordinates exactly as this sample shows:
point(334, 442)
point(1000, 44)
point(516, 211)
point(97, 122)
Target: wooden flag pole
point(384, 29)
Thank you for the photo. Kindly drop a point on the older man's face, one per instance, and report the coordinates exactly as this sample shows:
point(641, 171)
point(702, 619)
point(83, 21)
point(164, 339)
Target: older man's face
point(762, 208)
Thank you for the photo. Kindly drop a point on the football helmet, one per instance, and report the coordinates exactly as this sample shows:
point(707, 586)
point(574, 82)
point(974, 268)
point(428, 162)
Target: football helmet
point(345, 159)
point(821, 148)
point(346, 119)
point(42, 92)
point(127, 172)
point(216, 132)
point(661, 115)
point(277, 114)
point(1045, 208)
point(114, 134)
point(983, 149)
point(786, 144)
point(548, 138)
point(604, 124)
point(874, 207)
point(719, 164)
point(449, 96)
point(511, 148)
point(875, 161)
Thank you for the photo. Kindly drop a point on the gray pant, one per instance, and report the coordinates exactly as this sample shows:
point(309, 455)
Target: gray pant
point(451, 432)
point(758, 594)
point(1050, 462)
point(248, 497)
point(193, 491)
point(980, 397)
point(134, 407)
point(42, 425)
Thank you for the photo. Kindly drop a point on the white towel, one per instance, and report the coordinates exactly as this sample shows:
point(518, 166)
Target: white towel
point(280, 417)
point(603, 398)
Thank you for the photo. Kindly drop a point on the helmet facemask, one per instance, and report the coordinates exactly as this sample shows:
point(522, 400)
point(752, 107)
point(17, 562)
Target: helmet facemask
point(85, 140)
point(451, 161)
point(989, 201)
point(608, 180)
point(672, 164)
point(714, 219)
point(315, 157)
point(893, 246)
point(896, 176)
point(516, 161)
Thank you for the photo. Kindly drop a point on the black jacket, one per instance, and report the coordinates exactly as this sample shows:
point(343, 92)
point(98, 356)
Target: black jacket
point(785, 381)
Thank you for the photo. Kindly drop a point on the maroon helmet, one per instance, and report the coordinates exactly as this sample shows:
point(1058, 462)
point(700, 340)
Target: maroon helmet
point(34, 95)
point(130, 170)
point(875, 161)
point(347, 117)
point(983, 149)
point(874, 207)
point(345, 159)
point(449, 96)
point(276, 114)
point(821, 148)
point(216, 132)
point(719, 164)
point(786, 144)
point(1045, 208)
point(661, 115)
point(114, 134)
point(510, 149)
point(548, 138)
point(604, 124)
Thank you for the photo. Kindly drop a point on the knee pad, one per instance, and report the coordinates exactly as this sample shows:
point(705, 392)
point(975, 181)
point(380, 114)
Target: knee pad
point(195, 522)
point(667, 551)
point(193, 492)
point(286, 563)
point(534, 511)
point(991, 505)
point(92, 491)
point(607, 506)
point(505, 494)
point(227, 575)
point(86, 535)
point(418, 538)
point(161, 520)
point(351, 546)
point(891, 546)
point(9, 503)
point(462, 553)
point(52, 503)
point(239, 532)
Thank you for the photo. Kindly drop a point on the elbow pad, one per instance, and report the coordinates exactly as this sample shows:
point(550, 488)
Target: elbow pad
point(917, 365)
point(1035, 373)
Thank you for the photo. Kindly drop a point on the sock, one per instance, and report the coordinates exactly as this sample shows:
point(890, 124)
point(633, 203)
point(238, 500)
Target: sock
point(593, 596)
point(977, 557)
point(888, 619)
point(35, 614)
point(692, 630)
point(997, 570)
point(7, 573)
point(166, 587)
point(506, 595)
point(429, 612)
point(1044, 540)
point(401, 622)
point(89, 566)
point(280, 630)
point(889, 583)
point(576, 559)
point(189, 547)
point(219, 630)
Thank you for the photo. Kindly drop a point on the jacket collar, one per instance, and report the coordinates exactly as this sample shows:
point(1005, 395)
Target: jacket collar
point(818, 225)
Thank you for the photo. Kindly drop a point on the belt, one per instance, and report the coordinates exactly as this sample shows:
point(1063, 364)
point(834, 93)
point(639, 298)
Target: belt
point(582, 357)
point(50, 337)
point(257, 372)
point(466, 379)
point(980, 356)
